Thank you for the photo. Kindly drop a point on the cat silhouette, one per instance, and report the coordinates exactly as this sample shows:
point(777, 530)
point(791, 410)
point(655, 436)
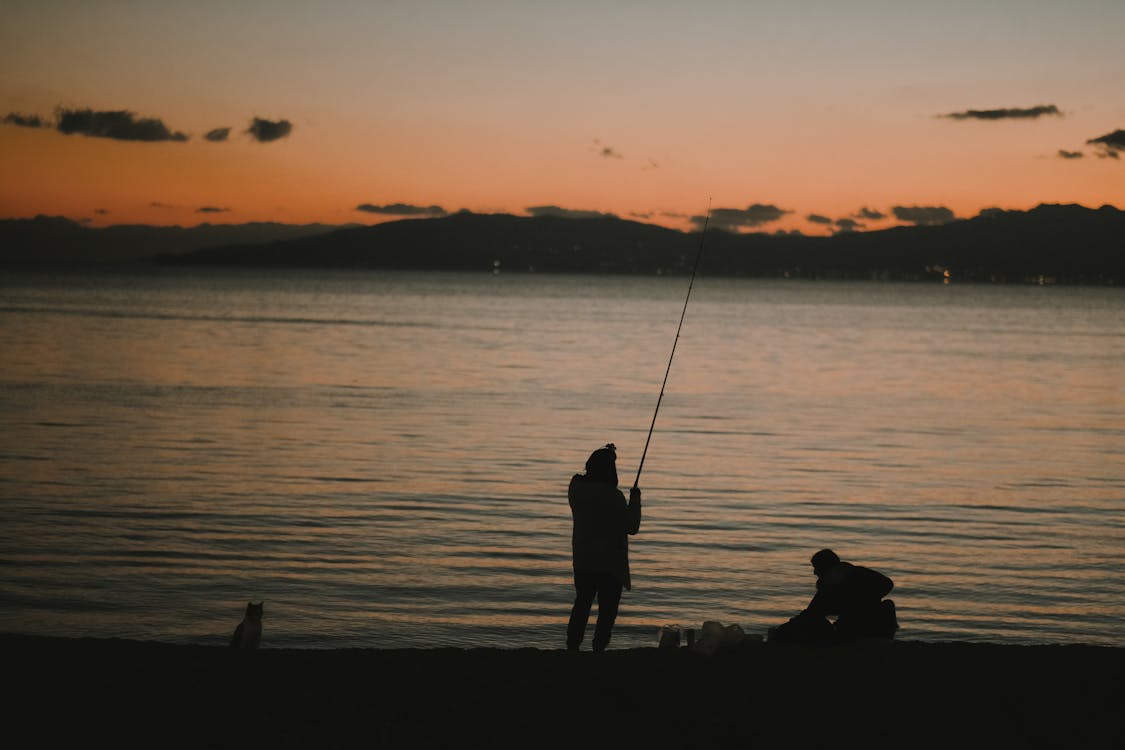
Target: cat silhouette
point(248, 634)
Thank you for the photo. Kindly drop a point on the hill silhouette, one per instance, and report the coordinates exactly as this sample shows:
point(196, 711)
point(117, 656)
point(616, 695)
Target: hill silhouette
point(1063, 243)
point(55, 240)
point(1066, 243)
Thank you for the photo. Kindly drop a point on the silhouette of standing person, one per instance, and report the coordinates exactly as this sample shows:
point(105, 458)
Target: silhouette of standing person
point(603, 522)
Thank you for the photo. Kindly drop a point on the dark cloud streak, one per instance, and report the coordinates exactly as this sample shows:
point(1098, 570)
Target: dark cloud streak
point(26, 121)
point(402, 209)
point(734, 219)
point(120, 125)
point(1109, 145)
point(1007, 113)
point(217, 135)
point(264, 131)
point(566, 213)
point(923, 215)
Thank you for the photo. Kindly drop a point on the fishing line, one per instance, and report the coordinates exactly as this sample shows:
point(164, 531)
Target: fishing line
point(695, 268)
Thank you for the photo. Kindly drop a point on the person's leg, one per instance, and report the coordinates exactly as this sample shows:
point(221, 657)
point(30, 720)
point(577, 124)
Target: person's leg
point(585, 589)
point(805, 627)
point(888, 623)
point(872, 621)
point(609, 598)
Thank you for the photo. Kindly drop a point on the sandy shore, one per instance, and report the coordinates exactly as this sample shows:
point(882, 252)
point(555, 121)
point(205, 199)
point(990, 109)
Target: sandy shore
point(73, 692)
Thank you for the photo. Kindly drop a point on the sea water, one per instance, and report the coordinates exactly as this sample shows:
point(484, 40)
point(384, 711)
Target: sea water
point(383, 457)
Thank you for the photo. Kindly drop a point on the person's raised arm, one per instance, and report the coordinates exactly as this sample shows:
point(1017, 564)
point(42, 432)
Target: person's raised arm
point(633, 511)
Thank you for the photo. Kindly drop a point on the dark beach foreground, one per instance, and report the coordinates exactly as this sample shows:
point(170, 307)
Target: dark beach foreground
point(879, 694)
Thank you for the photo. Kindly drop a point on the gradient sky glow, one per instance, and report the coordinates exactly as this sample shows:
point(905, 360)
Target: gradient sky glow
point(642, 109)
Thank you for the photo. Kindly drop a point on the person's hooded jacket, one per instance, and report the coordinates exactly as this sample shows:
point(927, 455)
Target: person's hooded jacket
point(603, 521)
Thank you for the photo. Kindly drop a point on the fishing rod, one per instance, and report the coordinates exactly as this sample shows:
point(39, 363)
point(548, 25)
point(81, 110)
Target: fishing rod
point(695, 268)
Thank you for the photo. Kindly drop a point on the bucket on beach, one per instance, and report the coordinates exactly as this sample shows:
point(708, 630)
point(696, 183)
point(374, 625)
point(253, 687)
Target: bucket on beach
point(674, 636)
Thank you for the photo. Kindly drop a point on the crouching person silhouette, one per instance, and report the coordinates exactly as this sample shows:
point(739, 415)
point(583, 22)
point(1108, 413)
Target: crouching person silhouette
point(853, 593)
point(603, 522)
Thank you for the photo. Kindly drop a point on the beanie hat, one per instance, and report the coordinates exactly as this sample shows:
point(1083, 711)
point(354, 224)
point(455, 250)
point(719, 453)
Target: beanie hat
point(602, 464)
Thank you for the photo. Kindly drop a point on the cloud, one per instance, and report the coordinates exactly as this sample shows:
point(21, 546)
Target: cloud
point(1064, 154)
point(733, 219)
point(101, 211)
point(120, 125)
point(26, 121)
point(211, 210)
point(1110, 144)
point(218, 134)
point(818, 219)
point(1009, 113)
point(606, 152)
point(264, 131)
point(923, 215)
point(402, 209)
point(848, 225)
point(567, 213)
point(870, 214)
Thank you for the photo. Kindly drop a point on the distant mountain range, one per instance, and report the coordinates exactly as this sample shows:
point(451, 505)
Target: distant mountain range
point(51, 240)
point(1064, 243)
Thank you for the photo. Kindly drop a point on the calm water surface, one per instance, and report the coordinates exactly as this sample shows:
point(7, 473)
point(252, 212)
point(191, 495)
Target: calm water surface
point(383, 457)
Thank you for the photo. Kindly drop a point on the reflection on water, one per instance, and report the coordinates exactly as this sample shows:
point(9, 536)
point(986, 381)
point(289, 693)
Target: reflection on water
point(384, 457)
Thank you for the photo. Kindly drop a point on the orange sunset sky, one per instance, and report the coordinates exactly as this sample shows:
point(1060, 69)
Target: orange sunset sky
point(795, 114)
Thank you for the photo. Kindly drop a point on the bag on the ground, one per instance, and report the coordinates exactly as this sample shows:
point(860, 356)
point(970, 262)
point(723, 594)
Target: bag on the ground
point(714, 636)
